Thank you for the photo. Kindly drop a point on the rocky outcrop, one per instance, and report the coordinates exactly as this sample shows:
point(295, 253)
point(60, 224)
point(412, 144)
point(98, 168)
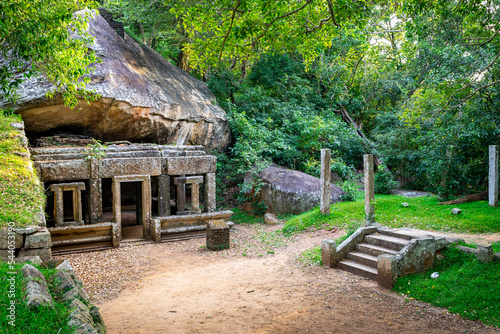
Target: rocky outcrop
point(143, 98)
point(291, 191)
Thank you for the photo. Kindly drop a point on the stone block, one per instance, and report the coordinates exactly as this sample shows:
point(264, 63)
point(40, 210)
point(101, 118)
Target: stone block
point(40, 239)
point(7, 236)
point(217, 235)
point(98, 320)
point(44, 253)
point(485, 253)
point(386, 270)
point(29, 259)
point(27, 230)
point(133, 166)
point(63, 170)
point(329, 253)
point(191, 165)
point(80, 314)
point(37, 292)
point(74, 293)
point(271, 219)
point(66, 282)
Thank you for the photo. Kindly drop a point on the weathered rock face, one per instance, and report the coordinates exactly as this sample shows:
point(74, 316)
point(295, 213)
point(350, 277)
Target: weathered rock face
point(143, 98)
point(290, 191)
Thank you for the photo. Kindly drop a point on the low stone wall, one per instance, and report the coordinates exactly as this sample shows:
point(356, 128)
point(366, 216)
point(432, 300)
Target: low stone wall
point(24, 242)
point(85, 319)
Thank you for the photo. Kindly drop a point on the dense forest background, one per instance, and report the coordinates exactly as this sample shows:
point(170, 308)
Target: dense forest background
point(414, 82)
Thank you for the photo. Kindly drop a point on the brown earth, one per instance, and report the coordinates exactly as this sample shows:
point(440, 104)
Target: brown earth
point(257, 286)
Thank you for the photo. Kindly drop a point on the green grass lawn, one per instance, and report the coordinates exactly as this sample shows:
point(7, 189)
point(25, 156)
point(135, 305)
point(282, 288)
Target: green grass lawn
point(465, 286)
point(422, 213)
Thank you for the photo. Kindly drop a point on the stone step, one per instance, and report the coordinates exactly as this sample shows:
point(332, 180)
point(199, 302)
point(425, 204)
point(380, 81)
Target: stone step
point(362, 258)
point(386, 241)
point(358, 269)
point(374, 250)
point(400, 234)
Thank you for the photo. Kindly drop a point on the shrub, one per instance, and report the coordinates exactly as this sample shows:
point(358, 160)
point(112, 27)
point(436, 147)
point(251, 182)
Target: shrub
point(384, 181)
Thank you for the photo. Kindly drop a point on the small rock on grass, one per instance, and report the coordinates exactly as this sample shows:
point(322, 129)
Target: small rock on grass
point(456, 211)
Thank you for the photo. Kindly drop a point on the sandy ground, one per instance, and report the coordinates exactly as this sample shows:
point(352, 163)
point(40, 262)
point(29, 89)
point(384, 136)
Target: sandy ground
point(263, 289)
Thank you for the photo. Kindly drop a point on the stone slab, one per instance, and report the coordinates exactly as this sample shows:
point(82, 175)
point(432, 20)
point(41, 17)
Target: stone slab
point(40, 239)
point(191, 165)
point(109, 168)
point(65, 170)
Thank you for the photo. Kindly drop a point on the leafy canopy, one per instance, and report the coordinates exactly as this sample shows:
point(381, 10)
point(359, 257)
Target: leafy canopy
point(45, 38)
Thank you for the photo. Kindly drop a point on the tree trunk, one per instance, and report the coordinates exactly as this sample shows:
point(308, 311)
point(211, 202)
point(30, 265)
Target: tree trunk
point(469, 198)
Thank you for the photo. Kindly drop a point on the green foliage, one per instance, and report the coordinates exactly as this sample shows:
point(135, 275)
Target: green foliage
point(242, 217)
point(384, 182)
point(350, 190)
point(21, 195)
point(27, 320)
point(464, 286)
point(423, 213)
point(96, 150)
point(37, 40)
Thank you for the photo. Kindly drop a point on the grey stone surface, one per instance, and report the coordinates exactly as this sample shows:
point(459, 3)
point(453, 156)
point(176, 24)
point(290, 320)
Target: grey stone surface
point(325, 178)
point(418, 255)
point(44, 253)
point(350, 243)
point(27, 230)
point(217, 235)
point(143, 98)
point(493, 176)
point(271, 219)
point(191, 165)
point(37, 292)
point(405, 205)
point(29, 259)
point(456, 211)
point(290, 191)
point(66, 282)
point(387, 269)
point(76, 292)
point(329, 253)
point(80, 314)
point(210, 192)
point(40, 239)
point(98, 320)
point(4, 238)
point(369, 189)
point(485, 254)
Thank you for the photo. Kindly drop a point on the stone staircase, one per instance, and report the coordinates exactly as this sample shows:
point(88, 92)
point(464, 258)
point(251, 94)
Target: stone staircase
point(362, 260)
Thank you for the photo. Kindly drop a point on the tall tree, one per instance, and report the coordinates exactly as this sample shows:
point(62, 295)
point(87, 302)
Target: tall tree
point(45, 38)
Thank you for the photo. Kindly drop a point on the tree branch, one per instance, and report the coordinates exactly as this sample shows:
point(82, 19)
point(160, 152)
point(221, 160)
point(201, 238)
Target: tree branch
point(228, 30)
point(276, 19)
point(332, 14)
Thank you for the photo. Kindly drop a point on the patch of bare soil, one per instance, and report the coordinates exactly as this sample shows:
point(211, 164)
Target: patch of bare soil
point(256, 286)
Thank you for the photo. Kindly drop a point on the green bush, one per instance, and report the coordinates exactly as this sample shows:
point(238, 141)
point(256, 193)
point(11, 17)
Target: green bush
point(384, 181)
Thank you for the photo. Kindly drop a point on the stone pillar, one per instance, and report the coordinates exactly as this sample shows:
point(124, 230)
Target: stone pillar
point(326, 177)
point(146, 206)
point(493, 176)
point(181, 193)
point(117, 206)
point(445, 177)
point(195, 196)
point(164, 196)
point(58, 205)
point(329, 253)
point(210, 192)
point(77, 206)
point(369, 190)
point(387, 270)
point(95, 201)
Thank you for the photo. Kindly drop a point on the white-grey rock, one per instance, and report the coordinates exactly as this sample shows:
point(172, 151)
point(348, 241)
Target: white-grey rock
point(143, 98)
point(271, 219)
point(405, 205)
point(456, 211)
point(37, 292)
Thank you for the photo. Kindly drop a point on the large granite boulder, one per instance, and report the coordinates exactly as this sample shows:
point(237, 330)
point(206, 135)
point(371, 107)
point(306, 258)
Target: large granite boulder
point(291, 191)
point(143, 98)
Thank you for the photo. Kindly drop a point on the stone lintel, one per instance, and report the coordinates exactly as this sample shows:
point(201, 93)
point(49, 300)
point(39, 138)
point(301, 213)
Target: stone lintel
point(65, 170)
point(188, 179)
point(109, 168)
point(191, 165)
point(68, 186)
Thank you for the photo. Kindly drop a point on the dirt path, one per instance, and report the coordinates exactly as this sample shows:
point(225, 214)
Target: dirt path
point(192, 290)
